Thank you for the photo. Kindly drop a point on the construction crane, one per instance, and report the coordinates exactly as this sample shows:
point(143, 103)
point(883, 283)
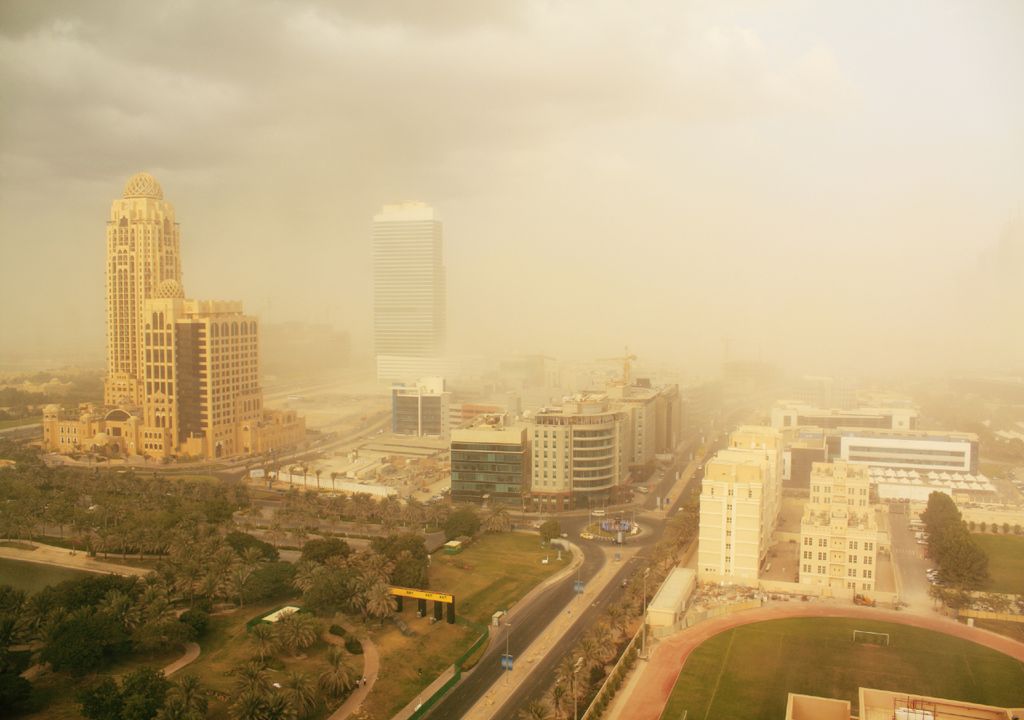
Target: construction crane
point(625, 360)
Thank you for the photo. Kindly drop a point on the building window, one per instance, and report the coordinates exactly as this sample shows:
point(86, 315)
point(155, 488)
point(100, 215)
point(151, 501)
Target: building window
point(852, 572)
point(867, 573)
point(869, 546)
point(853, 544)
point(867, 559)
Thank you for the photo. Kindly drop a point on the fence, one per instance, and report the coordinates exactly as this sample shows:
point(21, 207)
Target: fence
point(989, 615)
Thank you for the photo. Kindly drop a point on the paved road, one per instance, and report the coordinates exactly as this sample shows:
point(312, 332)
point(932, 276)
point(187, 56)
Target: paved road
point(912, 563)
point(527, 623)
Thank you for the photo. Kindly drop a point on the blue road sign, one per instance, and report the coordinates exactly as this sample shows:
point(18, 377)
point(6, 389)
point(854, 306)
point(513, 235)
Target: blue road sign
point(578, 586)
point(506, 662)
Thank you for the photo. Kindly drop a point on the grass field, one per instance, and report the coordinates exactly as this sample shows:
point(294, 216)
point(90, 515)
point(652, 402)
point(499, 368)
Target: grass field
point(747, 672)
point(493, 573)
point(1005, 562)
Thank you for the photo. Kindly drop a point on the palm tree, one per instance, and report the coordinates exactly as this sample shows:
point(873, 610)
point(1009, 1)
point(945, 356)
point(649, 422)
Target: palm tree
point(306, 573)
point(251, 678)
point(338, 677)
point(317, 473)
point(558, 698)
point(498, 520)
point(334, 478)
point(379, 601)
point(616, 621)
point(185, 700)
point(262, 635)
point(300, 692)
point(296, 631)
point(121, 607)
point(535, 710)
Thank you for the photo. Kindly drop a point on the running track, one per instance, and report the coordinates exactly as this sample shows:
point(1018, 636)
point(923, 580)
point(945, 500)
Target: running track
point(649, 694)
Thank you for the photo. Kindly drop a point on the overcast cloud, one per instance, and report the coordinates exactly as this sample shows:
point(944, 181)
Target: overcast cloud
point(834, 187)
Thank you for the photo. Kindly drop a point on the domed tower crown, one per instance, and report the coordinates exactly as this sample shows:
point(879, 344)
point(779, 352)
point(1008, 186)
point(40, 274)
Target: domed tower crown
point(143, 185)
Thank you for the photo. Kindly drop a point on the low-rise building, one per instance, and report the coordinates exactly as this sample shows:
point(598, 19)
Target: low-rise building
point(839, 536)
point(791, 414)
point(940, 450)
point(893, 705)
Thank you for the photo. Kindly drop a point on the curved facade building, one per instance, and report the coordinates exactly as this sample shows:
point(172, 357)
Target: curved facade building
point(580, 454)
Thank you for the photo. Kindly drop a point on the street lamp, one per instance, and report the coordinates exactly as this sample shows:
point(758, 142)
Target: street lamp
point(508, 634)
point(643, 619)
point(575, 669)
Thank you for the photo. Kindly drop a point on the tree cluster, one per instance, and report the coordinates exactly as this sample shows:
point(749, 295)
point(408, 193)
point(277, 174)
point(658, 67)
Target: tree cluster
point(962, 563)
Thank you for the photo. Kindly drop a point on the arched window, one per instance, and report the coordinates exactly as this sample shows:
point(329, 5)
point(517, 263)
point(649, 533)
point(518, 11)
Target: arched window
point(234, 328)
point(214, 330)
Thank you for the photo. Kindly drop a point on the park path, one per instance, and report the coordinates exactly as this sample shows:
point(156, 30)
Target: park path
point(371, 665)
point(647, 691)
point(62, 557)
point(191, 653)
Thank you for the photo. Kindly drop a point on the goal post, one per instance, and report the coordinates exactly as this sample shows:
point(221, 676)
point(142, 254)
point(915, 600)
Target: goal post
point(871, 638)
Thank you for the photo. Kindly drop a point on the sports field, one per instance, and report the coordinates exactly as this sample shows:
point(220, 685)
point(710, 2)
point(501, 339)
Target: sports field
point(1005, 562)
point(746, 672)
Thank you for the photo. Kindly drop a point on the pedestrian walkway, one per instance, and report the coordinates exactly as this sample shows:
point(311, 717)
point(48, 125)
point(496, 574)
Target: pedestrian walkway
point(647, 691)
point(371, 667)
point(499, 693)
point(191, 653)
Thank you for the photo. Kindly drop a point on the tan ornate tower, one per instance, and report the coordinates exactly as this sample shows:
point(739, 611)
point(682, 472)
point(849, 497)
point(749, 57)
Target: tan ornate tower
point(143, 250)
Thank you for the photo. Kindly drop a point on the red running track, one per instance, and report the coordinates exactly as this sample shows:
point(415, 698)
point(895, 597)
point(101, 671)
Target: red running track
point(651, 692)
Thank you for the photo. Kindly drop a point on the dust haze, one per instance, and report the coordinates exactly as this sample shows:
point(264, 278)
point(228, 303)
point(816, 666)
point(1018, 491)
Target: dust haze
point(829, 187)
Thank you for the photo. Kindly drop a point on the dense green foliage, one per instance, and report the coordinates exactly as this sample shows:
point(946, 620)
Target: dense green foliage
point(408, 556)
point(140, 696)
point(962, 563)
point(462, 522)
point(322, 549)
point(550, 529)
point(240, 541)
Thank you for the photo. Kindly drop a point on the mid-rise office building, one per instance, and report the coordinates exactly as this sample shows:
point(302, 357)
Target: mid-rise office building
point(490, 463)
point(409, 291)
point(421, 409)
point(839, 535)
point(580, 453)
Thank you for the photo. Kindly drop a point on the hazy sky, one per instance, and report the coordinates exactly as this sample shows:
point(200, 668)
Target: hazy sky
point(823, 183)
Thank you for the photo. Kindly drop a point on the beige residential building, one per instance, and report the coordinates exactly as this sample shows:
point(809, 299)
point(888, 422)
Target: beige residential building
point(839, 534)
point(183, 375)
point(735, 530)
point(580, 453)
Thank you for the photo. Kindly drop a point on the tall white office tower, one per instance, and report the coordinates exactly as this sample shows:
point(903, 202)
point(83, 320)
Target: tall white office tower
point(409, 292)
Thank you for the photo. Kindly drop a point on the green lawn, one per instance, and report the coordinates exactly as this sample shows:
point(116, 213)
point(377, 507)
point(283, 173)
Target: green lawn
point(493, 572)
point(748, 671)
point(1005, 562)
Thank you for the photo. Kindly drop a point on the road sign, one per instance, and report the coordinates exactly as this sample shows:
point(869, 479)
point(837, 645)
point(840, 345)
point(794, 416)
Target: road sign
point(578, 586)
point(506, 662)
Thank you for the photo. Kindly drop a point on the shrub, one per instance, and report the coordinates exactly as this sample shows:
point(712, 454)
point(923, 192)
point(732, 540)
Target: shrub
point(353, 646)
point(337, 630)
point(198, 620)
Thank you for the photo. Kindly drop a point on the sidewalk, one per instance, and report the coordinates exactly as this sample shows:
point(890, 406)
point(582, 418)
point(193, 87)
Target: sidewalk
point(499, 693)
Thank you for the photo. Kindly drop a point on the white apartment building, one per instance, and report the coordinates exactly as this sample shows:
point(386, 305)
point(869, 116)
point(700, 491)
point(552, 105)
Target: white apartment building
point(580, 453)
point(839, 535)
point(409, 289)
point(420, 409)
